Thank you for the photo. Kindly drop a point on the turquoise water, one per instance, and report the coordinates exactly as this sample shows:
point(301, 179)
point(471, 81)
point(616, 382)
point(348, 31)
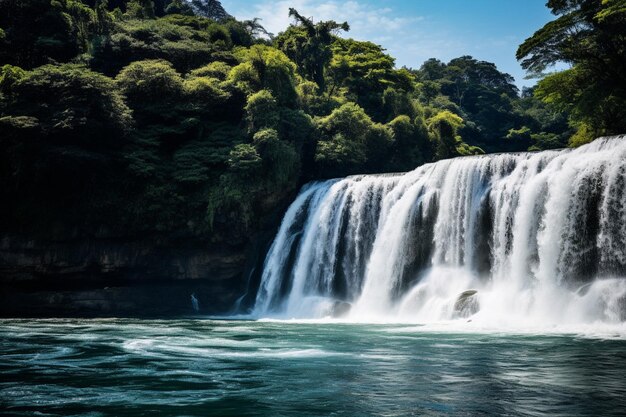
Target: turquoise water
point(244, 368)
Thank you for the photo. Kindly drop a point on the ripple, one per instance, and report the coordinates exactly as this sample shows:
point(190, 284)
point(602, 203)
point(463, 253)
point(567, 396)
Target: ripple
point(213, 368)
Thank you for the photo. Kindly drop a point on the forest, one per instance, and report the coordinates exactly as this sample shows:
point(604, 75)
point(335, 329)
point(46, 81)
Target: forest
point(125, 118)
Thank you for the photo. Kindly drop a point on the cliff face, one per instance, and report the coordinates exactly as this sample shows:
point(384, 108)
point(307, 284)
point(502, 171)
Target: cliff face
point(154, 276)
point(84, 260)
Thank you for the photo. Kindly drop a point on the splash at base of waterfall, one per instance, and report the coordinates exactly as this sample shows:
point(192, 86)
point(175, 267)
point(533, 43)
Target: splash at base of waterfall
point(502, 240)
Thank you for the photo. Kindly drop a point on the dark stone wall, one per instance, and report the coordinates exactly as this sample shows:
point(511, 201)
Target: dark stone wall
point(118, 273)
point(152, 276)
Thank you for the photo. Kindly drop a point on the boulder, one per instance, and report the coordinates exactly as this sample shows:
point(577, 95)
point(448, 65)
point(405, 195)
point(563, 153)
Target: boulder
point(340, 309)
point(467, 304)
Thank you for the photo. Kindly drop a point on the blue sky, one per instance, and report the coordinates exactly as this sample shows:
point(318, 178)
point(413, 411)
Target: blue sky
point(415, 30)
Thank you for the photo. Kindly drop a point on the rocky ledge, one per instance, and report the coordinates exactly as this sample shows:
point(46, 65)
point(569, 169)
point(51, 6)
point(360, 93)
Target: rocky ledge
point(152, 276)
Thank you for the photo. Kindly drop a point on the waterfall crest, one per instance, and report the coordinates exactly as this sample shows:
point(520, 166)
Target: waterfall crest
point(526, 236)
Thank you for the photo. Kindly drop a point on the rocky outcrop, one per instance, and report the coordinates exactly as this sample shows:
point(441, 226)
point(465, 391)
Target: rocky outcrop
point(467, 304)
point(340, 309)
point(152, 276)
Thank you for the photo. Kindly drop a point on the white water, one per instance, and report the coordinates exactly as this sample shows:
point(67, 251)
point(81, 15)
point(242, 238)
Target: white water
point(540, 237)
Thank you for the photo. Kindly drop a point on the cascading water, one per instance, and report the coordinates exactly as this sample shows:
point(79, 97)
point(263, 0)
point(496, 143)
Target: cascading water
point(537, 237)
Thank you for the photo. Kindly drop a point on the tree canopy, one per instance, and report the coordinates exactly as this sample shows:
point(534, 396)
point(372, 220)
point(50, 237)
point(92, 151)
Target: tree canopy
point(590, 36)
point(170, 116)
point(308, 44)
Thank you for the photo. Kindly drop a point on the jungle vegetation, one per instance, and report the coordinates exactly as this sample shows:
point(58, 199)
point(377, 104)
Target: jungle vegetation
point(125, 117)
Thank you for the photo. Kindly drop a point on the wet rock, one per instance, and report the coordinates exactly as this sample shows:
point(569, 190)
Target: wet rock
point(340, 309)
point(118, 277)
point(467, 304)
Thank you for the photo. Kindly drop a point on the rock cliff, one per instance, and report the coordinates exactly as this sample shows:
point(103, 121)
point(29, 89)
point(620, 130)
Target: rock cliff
point(105, 277)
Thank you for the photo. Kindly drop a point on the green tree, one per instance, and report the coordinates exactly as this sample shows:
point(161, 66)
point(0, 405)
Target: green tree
point(255, 29)
point(69, 102)
point(590, 35)
point(211, 9)
point(244, 159)
point(206, 98)
point(9, 76)
point(261, 111)
point(265, 67)
point(179, 7)
point(280, 159)
point(477, 92)
point(411, 143)
point(145, 81)
point(308, 45)
point(397, 103)
point(218, 70)
point(140, 9)
point(62, 131)
point(188, 42)
point(38, 31)
point(351, 142)
point(445, 126)
point(313, 102)
point(364, 71)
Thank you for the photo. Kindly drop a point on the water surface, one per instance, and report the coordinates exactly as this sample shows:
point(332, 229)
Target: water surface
point(187, 367)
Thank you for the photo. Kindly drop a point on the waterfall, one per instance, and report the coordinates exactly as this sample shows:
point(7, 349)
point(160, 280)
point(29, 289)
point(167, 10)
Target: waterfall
point(498, 238)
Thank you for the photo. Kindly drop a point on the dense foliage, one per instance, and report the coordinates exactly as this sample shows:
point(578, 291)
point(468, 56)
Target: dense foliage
point(590, 35)
point(133, 116)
